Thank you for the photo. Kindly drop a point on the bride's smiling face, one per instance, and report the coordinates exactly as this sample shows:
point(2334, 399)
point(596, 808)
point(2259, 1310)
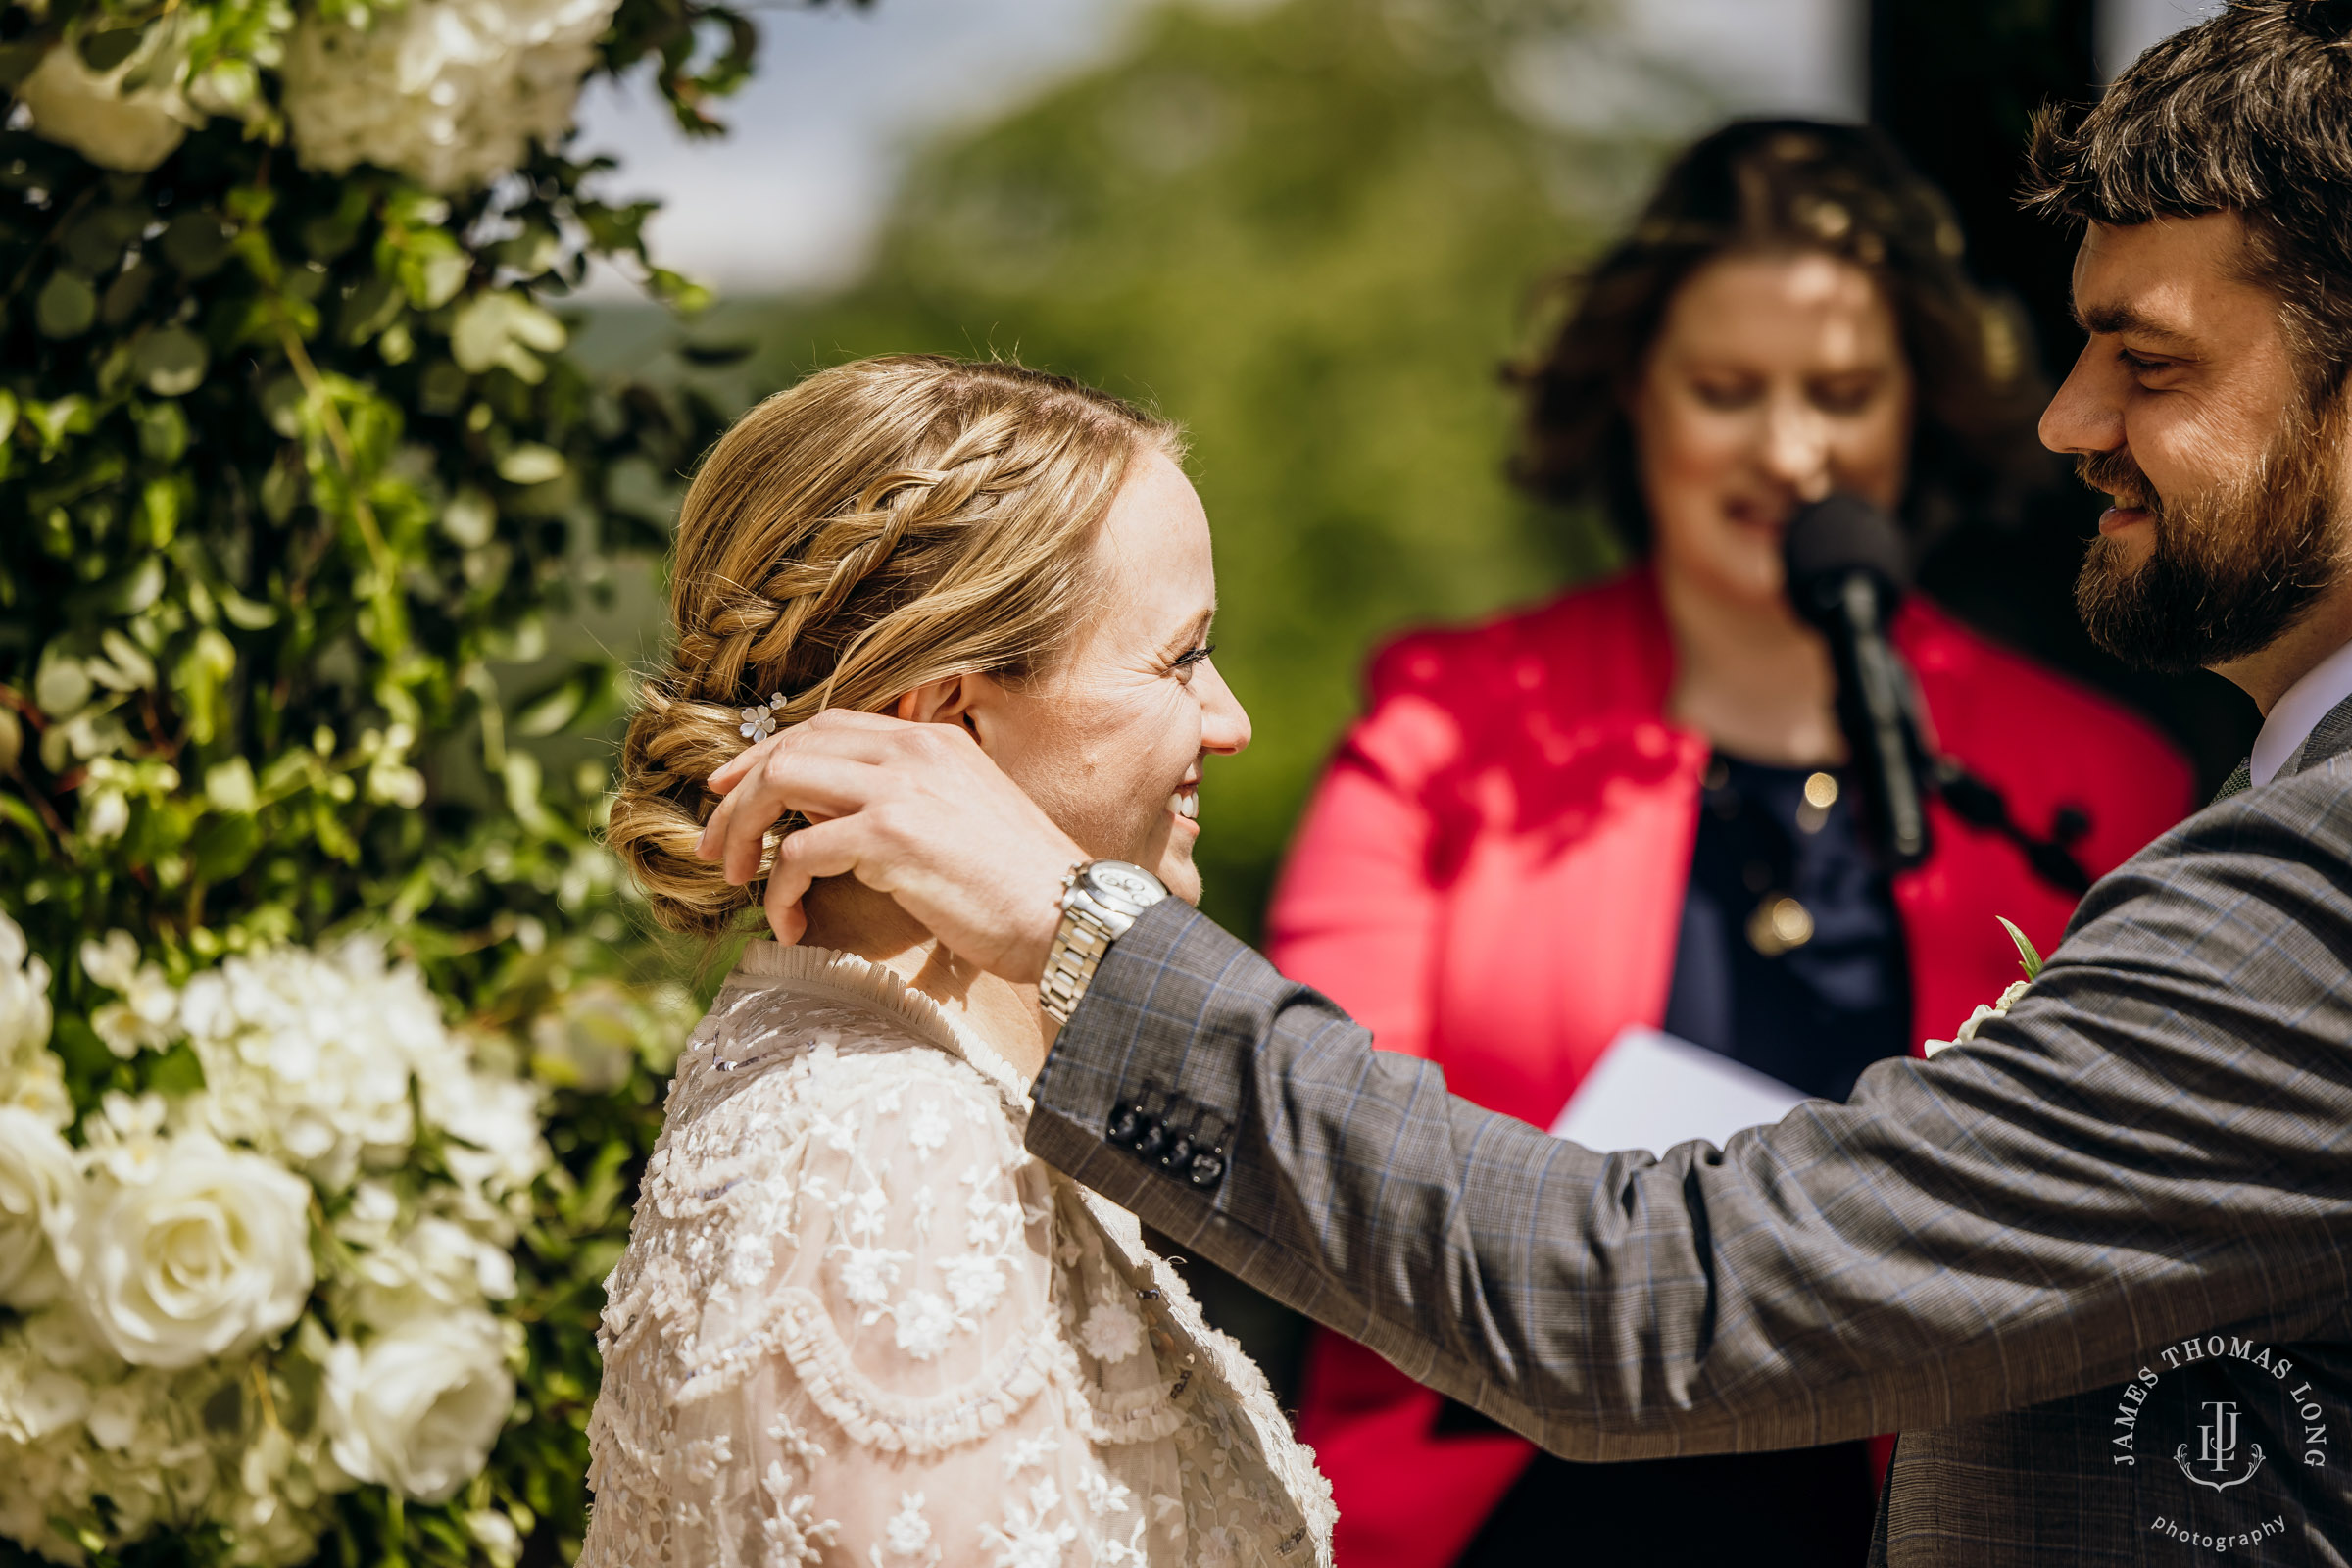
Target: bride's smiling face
point(1110, 742)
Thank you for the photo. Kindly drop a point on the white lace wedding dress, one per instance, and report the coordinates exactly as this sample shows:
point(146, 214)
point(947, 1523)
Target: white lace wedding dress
point(857, 1323)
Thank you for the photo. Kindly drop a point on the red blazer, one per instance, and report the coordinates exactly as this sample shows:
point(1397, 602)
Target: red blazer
point(1491, 876)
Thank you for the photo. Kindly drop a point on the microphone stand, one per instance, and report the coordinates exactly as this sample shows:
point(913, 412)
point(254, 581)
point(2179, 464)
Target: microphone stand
point(1845, 574)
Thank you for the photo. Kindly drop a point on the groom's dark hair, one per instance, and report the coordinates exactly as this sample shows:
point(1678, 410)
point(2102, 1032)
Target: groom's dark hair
point(2247, 112)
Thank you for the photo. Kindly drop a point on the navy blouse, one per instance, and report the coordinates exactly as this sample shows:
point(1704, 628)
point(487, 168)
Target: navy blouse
point(1792, 957)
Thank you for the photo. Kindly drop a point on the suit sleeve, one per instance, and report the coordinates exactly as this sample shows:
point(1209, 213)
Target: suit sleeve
point(2153, 1142)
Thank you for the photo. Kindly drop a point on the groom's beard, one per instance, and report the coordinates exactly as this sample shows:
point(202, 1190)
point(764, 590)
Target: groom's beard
point(2231, 569)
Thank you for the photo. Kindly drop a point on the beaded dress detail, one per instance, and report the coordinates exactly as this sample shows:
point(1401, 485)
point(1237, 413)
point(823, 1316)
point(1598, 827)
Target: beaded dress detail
point(858, 1323)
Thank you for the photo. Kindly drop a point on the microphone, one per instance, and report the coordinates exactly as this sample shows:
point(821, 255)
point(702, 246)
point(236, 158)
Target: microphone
point(1848, 571)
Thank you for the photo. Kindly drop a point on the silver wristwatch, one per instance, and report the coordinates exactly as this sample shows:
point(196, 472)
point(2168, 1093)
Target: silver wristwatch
point(1099, 900)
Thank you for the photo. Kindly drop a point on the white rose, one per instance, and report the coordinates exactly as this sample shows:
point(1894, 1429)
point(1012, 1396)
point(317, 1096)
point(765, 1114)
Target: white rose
point(418, 1408)
point(208, 1255)
point(39, 1186)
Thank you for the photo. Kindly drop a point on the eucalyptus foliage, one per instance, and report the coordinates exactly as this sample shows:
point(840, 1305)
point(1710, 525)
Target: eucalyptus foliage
point(296, 476)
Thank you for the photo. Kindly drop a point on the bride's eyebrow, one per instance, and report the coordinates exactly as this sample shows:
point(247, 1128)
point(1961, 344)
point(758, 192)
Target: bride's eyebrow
point(1195, 630)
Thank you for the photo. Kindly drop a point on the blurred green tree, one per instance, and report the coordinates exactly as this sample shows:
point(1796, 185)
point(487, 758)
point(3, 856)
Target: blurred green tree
point(1311, 234)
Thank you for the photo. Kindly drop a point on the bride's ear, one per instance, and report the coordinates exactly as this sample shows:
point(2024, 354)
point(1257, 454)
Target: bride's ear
point(954, 700)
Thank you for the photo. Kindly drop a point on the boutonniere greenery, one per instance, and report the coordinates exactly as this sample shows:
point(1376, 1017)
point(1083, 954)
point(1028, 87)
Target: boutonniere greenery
point(2028, 959)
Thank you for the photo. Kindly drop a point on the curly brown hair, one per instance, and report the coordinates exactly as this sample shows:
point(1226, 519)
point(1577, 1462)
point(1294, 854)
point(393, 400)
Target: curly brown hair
point(1776, 186)
point(2249, 112)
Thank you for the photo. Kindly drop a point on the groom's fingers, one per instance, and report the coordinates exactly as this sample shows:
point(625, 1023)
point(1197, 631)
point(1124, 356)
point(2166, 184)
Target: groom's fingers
point(817, 786)
point(786, 916)
point(797, 770)
point(837, 731)
point(829, 849)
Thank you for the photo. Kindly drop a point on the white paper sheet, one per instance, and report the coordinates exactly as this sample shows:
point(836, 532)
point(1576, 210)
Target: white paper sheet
point(1652, 1090)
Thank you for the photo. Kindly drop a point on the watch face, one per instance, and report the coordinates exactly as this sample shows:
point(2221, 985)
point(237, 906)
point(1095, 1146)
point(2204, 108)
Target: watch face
point(1131, 884)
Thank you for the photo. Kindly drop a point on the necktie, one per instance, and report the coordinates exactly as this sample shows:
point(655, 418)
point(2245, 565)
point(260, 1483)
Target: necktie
point(2241, 780)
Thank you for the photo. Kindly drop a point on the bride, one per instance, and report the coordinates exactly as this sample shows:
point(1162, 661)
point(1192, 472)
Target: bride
point(856, 1322)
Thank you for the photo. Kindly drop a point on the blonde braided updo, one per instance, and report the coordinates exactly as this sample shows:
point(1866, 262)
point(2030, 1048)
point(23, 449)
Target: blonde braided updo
point(883, 524)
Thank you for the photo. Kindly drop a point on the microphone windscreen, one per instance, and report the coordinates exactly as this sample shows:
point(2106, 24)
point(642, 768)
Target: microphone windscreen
point(1841, 534)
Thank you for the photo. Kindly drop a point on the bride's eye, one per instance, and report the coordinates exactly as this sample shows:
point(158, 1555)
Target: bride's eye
point(1184, 662)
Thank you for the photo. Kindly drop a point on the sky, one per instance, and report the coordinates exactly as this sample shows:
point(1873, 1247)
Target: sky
point(790, 199)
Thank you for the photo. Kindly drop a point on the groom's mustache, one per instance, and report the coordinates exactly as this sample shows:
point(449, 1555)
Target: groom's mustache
point(2116, 474)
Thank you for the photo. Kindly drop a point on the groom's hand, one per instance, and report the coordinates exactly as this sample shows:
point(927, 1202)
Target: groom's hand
point(915, 810)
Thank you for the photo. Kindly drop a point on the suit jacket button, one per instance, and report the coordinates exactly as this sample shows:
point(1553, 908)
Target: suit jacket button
point(1179, 1152)
point(1208, 1169)
point(1126, 1126)
point(1153, 1139)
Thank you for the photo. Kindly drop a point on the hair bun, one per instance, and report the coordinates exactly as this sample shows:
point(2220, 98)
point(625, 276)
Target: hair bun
point(2331, 19)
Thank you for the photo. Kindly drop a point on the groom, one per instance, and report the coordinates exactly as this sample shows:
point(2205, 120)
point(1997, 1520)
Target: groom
point(2096, 1265)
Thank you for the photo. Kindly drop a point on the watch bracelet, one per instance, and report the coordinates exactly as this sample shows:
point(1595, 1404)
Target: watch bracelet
point(1080, 942)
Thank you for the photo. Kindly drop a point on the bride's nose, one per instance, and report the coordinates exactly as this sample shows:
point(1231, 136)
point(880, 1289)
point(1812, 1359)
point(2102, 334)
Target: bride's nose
point(1224, 723)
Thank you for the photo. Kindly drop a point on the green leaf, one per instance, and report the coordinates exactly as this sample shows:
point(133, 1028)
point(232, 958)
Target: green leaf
point(163, 432)
point(530, 463)
point(103, 49)
point(713, 354)
point(224, 847)
point(197, 243)
point(554, 708)
point(680, 293)
point(65, 306)
point(58, 419)
point(172, 362)
point(94, 242)
point(176, 1071)
point(2026, 958)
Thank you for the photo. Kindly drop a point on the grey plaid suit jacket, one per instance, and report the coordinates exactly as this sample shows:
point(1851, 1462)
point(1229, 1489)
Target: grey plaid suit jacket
point(2092, 1266)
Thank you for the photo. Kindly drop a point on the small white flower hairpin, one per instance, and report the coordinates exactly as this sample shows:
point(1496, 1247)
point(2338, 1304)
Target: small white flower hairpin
point(759, 723)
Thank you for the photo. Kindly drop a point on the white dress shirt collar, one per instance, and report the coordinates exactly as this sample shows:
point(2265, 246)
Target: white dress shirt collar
point(2299, 711)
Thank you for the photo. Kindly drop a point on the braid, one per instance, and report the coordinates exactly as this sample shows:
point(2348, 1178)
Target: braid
point(882, 526)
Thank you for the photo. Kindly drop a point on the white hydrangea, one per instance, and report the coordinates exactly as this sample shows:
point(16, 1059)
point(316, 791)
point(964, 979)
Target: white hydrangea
point(436, 1266)
point(42, 1451)
point(494, 1150)
point(147, 1451)
point(447, 92)
point(310, 1056)
point(143, 1019)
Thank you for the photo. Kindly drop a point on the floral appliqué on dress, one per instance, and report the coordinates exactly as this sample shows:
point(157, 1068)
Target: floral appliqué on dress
point(857, 1323)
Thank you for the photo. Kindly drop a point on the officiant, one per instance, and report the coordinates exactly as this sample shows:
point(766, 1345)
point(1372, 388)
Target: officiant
point(1630, 808)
